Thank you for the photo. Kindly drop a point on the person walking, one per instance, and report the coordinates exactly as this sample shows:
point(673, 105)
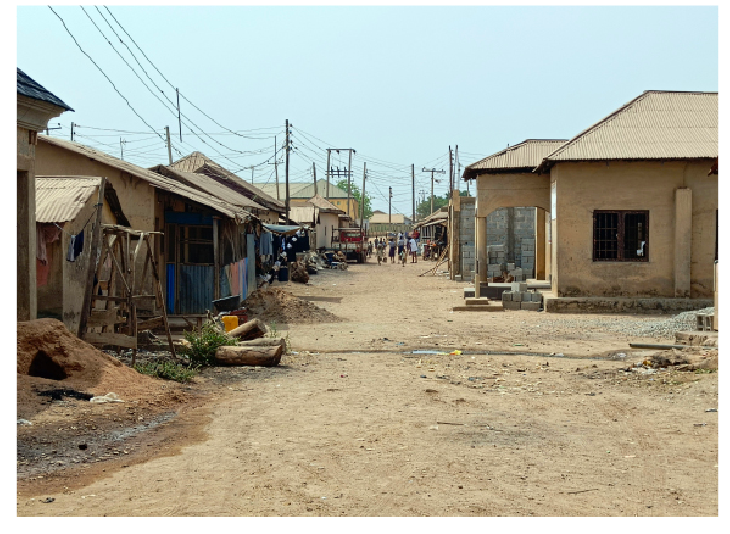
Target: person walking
point(379, 250)
point(391, 249)
point(401, 245)
point(414, 250)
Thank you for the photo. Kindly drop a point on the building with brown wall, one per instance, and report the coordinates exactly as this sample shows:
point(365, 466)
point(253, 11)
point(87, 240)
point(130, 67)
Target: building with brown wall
point(634, 204)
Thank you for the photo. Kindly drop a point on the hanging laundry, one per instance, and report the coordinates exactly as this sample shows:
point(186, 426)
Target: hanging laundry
point(41, 272)
point(265, 244)
point(75, 246)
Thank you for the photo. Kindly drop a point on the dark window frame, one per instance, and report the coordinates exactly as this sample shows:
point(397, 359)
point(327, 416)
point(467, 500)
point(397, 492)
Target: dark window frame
point(621, 214)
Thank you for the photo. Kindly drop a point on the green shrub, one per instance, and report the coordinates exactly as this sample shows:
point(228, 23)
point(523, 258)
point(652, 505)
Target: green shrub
point(203, 346)
point(168, 371)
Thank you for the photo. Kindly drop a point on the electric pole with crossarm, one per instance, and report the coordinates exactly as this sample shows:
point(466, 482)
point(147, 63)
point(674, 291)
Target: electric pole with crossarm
point(433, 171)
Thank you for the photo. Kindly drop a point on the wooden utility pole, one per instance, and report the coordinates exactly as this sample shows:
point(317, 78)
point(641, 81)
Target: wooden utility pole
point(252, 167)
point(121, 147)
point(169, 146)
point(314, 173)
point(276, 168)
point(390, 196)
point(349, 174)
point(451, 172)
point(413, 192)
point(72, 131)
point(328, 173)
point(362, 196)
point(179, 122)
point(432, 171)
point(96, 236)
point(287, 169)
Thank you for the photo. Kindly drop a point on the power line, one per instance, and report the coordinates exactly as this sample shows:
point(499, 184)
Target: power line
point(103, 73)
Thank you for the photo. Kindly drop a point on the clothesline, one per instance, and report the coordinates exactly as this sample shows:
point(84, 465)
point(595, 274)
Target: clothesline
point(96, 207)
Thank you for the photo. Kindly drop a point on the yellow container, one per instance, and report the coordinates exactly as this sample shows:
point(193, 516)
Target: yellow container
point(230, 322)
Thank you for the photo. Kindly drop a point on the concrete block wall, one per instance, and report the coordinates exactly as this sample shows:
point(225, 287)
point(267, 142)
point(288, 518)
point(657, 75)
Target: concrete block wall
point(467, 236)
point(521, 233)
point(500, 233)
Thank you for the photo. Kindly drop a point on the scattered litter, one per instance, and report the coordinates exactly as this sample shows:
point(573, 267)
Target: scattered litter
point(343, 376)
point(700, 424)
point(455, 353)
point(423, 376)
point(433, 427)
point(24, 422)
point(109, 397)
point(711, 410)
point(48, 499)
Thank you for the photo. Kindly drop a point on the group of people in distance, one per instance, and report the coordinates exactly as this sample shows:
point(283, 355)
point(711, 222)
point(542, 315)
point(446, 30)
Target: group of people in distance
point(403, 247)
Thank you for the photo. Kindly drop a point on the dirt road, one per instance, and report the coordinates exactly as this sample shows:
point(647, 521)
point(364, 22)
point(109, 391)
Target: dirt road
point(336, 432)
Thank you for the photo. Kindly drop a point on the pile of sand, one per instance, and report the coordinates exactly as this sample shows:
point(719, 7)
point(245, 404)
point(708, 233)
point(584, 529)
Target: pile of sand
point(51, 356)
point(273, 305)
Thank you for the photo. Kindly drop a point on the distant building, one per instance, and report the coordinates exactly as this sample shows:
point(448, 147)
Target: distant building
point(379, 225)
point(301, 192)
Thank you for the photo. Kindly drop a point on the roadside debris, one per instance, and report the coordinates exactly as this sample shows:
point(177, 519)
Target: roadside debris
point(274, 305)
point(109, 397)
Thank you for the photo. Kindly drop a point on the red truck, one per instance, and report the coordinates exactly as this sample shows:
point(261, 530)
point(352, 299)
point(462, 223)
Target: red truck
point(351, 241)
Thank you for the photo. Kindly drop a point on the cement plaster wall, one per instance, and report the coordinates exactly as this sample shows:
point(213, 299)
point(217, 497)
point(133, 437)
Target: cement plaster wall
point(582, 187)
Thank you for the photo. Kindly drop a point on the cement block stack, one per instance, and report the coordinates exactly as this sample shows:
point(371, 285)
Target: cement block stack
point(527, 253)
point(496, 263)
point(520, 298)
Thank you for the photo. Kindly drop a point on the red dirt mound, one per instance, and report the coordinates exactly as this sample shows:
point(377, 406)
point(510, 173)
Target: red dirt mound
point(49, 353)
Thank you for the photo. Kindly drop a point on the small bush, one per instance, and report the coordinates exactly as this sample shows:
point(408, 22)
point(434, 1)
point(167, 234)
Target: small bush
point(203, 346)
point(168, 371)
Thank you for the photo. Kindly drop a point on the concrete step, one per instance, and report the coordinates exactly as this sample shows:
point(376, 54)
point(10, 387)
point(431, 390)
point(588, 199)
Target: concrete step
point(478, 302)
point(493, 306)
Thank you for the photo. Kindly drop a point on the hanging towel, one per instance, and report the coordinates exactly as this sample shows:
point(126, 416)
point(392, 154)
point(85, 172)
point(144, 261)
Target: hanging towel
point(71, 248)
point(265, 243)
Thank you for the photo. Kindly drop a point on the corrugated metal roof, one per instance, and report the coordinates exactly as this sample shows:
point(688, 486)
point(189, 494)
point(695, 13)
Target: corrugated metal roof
point(209, 185)
point(153, 178)
point(60, 198)
point(304, 189)
point(654, 125)
point(525, 155)
point(27, 86)
point(198, 162)
point(324, 204)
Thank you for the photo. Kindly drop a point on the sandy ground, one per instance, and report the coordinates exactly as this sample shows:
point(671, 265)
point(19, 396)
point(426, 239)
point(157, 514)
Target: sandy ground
point(353, 424)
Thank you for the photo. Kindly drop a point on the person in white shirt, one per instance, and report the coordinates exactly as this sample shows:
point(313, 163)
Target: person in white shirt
point(414, 248)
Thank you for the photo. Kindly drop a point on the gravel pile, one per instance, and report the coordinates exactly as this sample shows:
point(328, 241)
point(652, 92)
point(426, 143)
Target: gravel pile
point(635, 326)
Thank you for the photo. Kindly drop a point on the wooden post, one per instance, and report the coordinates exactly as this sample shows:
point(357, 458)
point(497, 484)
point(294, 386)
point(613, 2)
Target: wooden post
point(169, 146)
point(96, 234)
point(314, 172)
point(158, 287)
point(216, 259)
point(327, 172)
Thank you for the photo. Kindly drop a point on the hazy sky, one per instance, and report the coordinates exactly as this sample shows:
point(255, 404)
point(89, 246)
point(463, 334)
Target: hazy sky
point(399, 85)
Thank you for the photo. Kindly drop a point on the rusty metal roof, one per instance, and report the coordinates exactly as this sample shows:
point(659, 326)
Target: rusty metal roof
point(324, 204)
point(526, 155)
point(198, 162)
point(59, 199)
point(301, 190)
point(157, 180)
point(206, 184)
point(654, 125)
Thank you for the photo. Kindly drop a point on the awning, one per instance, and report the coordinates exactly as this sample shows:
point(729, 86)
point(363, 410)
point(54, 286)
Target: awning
point(282, 229)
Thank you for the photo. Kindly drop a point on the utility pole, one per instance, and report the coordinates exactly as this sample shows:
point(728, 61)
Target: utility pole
point(451, 172)
point(252, 174)
point(433, 171)
point(72, 131)
point(413, 191)
point(314, 173)
point(362, 196)
point(179, 122)
point(287, 168)
point(390, 196)
point(457, 167)
point(328, 173)
point(349, 174)
point(169, 146)
point(121, 146)
point(276, 168)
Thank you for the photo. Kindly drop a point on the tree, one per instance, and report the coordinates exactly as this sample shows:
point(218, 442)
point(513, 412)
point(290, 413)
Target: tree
point(424, 208)
point(355, 193)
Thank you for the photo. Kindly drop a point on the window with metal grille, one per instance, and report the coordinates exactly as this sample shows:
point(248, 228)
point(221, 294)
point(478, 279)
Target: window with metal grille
point(620, 236)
